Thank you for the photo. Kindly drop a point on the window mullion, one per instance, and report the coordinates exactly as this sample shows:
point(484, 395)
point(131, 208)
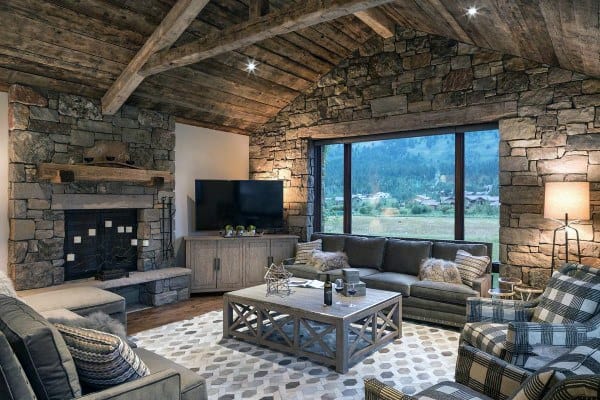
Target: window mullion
point(459, 186)
point(348, 188)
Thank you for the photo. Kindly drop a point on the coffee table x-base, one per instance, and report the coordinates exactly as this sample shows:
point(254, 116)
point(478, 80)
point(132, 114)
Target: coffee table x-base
point(299, 324)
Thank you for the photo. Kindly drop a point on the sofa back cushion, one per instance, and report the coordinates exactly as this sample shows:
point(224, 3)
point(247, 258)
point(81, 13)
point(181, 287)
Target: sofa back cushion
point(364, 252)
point(331, 243)
point(40, 349)
point(13, 381)
point(447, 250)
point(405, 256)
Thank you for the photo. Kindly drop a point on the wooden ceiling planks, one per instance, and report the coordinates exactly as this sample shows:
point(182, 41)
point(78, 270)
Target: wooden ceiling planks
point(46, 44)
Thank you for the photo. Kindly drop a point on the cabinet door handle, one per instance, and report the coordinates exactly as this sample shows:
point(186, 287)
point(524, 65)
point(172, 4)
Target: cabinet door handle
point(269, 261)
point(217, 264)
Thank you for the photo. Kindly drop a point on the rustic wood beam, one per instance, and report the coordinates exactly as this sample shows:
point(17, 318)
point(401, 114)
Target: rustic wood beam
point(172, 26)
point(257, 8)
point(378, 21)
point(311, 13)
point(477, 114)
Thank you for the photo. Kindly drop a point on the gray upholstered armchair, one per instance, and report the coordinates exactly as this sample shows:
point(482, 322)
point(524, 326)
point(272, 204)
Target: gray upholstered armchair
point(529, 333)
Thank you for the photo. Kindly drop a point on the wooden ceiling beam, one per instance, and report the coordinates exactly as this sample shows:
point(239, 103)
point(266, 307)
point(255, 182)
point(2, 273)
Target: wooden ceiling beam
point(311, 13)
point(378, 21)
point(172, 26)
point(257, 8)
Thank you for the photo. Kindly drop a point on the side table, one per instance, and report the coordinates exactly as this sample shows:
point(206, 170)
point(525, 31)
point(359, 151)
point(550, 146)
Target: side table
point(528, 293)
point(501, 293)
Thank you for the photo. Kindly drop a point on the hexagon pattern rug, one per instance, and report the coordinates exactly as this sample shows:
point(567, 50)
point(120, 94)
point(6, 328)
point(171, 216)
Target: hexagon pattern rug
point(234, 369)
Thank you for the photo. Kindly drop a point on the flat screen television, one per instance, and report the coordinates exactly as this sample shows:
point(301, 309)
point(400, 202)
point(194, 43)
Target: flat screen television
point(220, 203)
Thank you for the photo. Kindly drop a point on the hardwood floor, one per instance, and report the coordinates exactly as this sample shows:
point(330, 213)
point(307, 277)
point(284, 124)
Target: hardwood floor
point(153, 317)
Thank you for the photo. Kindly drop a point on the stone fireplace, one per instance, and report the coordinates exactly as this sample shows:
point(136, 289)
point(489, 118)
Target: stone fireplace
point(47, 127)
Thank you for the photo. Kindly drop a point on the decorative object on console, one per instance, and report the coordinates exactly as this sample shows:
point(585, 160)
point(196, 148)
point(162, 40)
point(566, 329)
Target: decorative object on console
point(239, 230)
point(566, 200)
point(328, 260)
point(438, 270)
point(278, 280)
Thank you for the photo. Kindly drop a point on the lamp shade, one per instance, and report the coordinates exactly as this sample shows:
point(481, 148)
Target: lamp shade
point(571, 198)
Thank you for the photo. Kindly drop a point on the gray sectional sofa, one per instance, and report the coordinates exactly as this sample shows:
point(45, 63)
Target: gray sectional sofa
point(35, 362)
point(393, 264)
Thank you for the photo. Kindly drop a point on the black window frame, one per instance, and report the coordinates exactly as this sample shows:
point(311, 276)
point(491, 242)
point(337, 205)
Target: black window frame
point(459, 168)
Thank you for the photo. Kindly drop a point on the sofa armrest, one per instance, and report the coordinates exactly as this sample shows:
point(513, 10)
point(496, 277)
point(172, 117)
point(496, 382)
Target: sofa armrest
point(521, 336)
point(576, 387)
point(163, 385)
point(482, 284)
point(376, 390)
point(487, 374)
point(498, 311)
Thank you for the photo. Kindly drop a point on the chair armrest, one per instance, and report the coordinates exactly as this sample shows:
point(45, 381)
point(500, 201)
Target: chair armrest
point(498, 311)
point(483, 284)
point(576, 387)
point(375, 390)
point(487, 374)
point(521, 336)
point(163, 385)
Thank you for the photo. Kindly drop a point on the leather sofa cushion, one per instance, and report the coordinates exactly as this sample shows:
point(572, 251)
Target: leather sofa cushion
point(364, 252)
point(447, 250)
point(443, 292)
point(405, 256)
point(391, 281)
point(40, 349)
point(303, 271)
point(337, 273)
point(330, 242)
point(193, 386)
point(13, 381)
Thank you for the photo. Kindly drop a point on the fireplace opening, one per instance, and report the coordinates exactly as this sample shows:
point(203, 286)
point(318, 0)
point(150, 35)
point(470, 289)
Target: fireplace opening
point(100, 243)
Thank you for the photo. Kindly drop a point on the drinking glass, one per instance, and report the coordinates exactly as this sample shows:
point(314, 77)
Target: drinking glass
point(338, 286)
point(351, 292)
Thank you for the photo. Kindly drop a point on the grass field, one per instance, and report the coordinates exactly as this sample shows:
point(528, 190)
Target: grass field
point(479, 229)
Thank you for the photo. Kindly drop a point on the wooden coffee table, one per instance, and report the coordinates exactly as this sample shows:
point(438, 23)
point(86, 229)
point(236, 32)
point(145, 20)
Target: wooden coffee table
point(299, 324)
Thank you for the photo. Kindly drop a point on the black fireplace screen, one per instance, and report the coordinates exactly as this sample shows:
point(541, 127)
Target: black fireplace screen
point(98, 241)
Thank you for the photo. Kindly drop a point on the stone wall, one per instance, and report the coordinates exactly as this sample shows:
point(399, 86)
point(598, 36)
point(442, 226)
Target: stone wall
point(50, 127)
point(549, 132)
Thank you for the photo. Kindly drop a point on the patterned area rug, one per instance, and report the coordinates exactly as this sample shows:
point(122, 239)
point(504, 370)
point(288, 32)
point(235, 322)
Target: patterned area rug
point(233, 369)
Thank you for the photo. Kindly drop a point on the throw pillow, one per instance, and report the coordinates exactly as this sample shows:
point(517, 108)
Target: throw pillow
point(328, 260)
point(102, 360)
point(98, 321)
point(304, 251)
point(568, 299)
point(534, 387)
point(434, 269)
point(6, 285)
point(470, 267)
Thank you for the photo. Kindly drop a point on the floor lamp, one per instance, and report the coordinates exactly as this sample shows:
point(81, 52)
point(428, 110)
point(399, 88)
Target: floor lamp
point(568, 201)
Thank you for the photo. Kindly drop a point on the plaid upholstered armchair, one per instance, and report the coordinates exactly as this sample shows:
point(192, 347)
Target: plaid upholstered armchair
point(479, 375)
point(529, 333)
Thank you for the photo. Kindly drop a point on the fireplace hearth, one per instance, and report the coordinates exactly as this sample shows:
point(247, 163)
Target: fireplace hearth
point(100, 243)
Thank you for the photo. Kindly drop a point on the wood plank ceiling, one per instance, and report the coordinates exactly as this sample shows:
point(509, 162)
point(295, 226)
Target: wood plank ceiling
point(82, 46)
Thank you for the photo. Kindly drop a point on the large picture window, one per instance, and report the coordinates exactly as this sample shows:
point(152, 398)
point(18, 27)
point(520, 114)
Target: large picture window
point(437, 185)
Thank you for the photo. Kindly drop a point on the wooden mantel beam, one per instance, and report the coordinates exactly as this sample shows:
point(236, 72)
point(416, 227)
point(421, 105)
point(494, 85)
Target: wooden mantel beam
point(171, 27)
point(312, 12)
point(378, 21)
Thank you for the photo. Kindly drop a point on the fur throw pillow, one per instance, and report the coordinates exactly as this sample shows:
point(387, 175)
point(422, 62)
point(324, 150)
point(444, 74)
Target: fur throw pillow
point(437, 270)
point(97, 321)
point(327, 260)
point(6, 285)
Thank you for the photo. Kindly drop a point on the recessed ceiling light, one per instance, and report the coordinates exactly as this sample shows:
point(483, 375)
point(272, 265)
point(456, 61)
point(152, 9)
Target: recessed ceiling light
point(251, 66)
point(472, 11)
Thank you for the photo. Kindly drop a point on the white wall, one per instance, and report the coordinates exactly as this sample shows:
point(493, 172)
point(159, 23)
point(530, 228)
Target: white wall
point(202, 153)
point(3, 181)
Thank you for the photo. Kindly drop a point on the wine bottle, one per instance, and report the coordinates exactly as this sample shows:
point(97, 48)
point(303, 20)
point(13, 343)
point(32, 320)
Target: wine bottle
point(328, 292)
